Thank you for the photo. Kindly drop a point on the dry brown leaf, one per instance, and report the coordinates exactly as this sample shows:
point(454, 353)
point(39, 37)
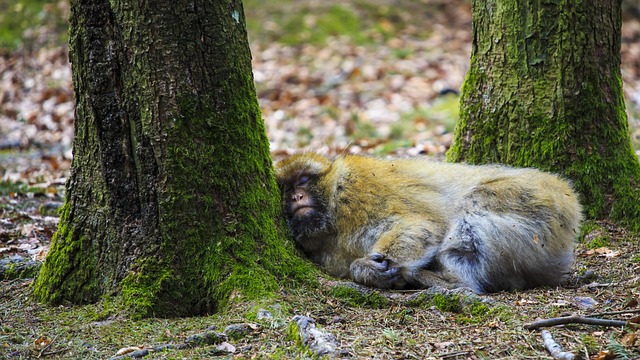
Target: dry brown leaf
point(629, 339)
point(604, 355)
point(598, 251)
point(41, 342)
point(443, 345)
point(128, 349)
point(631, 304)
point(524, 302)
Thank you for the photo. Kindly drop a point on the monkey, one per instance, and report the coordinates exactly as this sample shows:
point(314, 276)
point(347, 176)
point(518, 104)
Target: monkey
point(417, 223)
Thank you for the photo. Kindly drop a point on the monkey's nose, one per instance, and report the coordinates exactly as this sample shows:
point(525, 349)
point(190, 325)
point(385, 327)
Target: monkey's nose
point(297, 197)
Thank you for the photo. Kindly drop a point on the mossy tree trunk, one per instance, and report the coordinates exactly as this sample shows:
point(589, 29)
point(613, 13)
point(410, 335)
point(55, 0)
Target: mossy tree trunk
point(171, 202)
point(544, 89)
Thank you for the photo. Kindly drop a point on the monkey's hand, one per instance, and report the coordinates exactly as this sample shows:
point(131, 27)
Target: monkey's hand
point(377, 271)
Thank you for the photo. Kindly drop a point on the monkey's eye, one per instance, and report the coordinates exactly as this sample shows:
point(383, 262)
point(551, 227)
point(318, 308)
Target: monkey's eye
point(302, 180)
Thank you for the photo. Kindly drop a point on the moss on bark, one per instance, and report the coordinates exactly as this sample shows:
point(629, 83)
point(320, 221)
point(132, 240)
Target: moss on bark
point(544, 90)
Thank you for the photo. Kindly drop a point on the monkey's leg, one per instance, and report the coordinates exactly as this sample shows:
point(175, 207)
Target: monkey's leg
point(423, 278)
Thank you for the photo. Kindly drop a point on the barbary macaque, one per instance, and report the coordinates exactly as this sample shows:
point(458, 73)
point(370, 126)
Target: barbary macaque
point(415, 223)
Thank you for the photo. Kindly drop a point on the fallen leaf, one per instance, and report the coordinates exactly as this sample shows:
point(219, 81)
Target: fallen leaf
point(631, 304)
point(128, 349)
point(598, 251)
point(524, 302)
point(604, 355)
point(443, 345)
point(612, 254)
point(226, 347)
point(42, 342)
point(629, 339)
point(561, 303)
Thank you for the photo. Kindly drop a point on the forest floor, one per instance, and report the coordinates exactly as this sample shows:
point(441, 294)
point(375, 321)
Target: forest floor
point(370, 77)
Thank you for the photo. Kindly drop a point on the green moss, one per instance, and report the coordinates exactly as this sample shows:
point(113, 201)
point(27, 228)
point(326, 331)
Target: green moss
point(69, 272)
point(141, 288)
point(590, 343)
point(20, 270)
point(293, 334)
point(355, 298)
point(469, 309)
point(598, 241)
point(447, 303)
point(478, 312)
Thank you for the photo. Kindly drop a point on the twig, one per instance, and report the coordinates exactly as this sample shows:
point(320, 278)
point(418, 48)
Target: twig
point(630, 311)
point(54, 352)
point(597, 285)
point(573, 319)
point(554, 349)
point(453, 354)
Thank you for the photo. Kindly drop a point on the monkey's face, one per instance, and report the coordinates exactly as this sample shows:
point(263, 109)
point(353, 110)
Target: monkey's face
point(306, 212)
point(304, 201)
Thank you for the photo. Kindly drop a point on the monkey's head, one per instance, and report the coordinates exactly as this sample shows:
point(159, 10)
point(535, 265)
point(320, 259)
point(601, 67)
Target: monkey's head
point(306, 198)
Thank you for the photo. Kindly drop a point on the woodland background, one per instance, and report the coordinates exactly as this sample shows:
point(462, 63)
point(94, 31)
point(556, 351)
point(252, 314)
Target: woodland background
point(376, 77)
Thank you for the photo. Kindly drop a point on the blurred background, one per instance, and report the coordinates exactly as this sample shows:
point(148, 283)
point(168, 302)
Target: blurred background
point(374, 76)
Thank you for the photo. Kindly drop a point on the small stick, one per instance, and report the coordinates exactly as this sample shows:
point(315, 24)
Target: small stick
point(629, 311)
point(554, 349)
point(573, 319)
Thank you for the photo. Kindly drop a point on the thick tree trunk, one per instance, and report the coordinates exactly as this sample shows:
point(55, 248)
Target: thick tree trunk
point(171, 201)
point(544, 90)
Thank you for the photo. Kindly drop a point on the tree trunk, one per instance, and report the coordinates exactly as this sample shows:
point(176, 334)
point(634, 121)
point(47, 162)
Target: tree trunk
point(171, 202)
point(544, 89)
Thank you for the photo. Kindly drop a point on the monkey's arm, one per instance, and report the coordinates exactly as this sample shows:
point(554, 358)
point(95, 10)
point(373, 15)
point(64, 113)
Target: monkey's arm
point(400, 256)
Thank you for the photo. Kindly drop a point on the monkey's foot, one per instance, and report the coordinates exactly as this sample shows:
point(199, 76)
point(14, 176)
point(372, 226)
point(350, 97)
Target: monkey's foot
point(377, 271)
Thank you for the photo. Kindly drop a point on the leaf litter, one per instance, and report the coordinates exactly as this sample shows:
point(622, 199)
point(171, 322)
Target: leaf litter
point(392, 95)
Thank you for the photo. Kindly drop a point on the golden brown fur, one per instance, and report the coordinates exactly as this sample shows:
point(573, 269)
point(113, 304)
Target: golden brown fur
point(418, 223)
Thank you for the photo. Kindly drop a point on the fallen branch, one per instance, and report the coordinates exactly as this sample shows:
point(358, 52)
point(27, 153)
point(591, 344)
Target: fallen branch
point(554, 349)
point(573, 319)
point(628, 311)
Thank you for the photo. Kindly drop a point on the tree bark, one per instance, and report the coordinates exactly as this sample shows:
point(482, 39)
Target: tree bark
point(544, 90)
point(171, 202)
